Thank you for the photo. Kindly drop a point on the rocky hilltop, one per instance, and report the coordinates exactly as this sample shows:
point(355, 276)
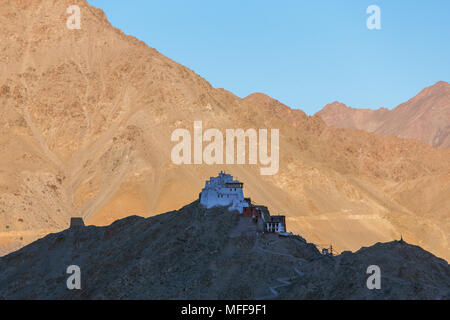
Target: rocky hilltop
point(86, 120)
point(194, 253)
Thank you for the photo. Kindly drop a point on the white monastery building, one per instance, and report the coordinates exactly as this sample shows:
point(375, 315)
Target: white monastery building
point(224, 191)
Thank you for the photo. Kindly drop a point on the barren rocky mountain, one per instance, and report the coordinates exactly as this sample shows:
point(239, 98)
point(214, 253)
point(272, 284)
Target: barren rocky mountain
point(195, 253)
point(86, 123)
point(426, 117)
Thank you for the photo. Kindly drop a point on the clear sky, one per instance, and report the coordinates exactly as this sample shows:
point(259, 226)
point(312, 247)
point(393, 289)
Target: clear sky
point(304, 53)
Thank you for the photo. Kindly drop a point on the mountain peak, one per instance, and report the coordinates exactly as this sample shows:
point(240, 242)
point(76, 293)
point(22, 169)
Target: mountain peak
point(438, 88)
point(424, 117)
point(261, 98)
point(269, 105)
point(334, 106)
point(441, 84)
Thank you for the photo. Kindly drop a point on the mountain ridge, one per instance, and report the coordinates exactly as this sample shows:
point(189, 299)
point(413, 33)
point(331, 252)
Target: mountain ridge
point(425, 117)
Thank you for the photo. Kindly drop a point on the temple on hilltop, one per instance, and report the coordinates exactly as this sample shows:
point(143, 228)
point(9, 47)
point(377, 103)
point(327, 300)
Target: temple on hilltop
point(224, 191)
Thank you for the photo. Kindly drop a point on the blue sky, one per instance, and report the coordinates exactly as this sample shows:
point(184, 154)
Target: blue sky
point(304, 53)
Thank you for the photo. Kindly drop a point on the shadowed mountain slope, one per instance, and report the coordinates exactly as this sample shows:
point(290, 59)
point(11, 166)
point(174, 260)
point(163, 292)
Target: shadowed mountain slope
point(193, 253)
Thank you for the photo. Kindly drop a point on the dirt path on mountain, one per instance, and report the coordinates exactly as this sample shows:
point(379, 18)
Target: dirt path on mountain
point(285, 281)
